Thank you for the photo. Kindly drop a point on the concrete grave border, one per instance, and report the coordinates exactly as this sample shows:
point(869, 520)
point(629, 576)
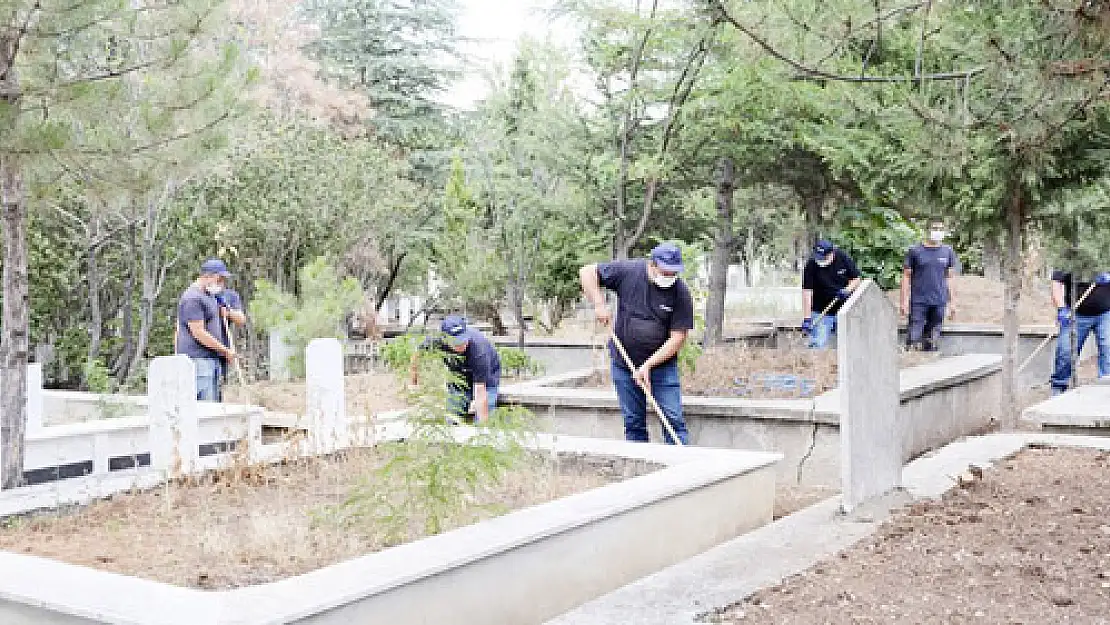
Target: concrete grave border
point(542, 560)
point(678, 595)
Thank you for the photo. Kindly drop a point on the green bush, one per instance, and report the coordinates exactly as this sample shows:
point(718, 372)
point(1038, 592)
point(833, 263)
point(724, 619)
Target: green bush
point(397, 353)
point(518, 363)
point(877, 239)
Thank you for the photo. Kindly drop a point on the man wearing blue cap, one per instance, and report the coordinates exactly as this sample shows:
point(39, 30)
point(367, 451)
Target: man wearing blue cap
point(200, 332)
point(475, 367)
point(828, 280)
point(927, 295)
point(655, 313)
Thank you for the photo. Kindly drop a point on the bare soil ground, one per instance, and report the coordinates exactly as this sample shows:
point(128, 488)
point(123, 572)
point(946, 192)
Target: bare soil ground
point(367, 394)
point(1028, 543)
point(736, 370)
point(225, 535)
point(979, 300)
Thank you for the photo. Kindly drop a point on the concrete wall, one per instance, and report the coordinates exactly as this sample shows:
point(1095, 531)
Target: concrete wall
point(939, 402)
point(521, 568)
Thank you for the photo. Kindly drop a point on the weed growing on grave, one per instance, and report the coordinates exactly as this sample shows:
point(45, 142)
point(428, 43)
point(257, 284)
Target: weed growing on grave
point(517, 363)
point(431, 477)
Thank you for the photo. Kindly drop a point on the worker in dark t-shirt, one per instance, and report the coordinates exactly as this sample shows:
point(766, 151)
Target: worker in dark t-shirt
point(655, 313)
point(475, 368)
point(828, 279)
point(1092, 314)
point(927, 296)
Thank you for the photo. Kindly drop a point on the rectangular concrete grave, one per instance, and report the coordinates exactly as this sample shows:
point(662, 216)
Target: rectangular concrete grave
point(541, 560)
point(871, 451)
point(1084, 410)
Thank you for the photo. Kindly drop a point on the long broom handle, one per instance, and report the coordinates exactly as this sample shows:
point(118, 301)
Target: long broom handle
point(231, 345)
point(651, 400)
point(1053, 335)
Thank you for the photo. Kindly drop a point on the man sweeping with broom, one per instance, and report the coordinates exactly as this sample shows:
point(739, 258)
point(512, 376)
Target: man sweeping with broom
point(655, 313)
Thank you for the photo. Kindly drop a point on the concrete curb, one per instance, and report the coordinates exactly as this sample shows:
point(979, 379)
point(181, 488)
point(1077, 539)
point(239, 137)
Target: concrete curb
point(736, 569)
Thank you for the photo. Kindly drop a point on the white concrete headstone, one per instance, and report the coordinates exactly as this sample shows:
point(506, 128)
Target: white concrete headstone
point(871, 443)
point(34, 397)
point(385, 313)
point(405, 306)
point(174, 435)
point(326, 408)
point(419, 316)
point(280, 354)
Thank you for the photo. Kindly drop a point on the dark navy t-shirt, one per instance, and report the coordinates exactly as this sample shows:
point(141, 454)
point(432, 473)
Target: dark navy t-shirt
point(929, 277)
point(197, 305)
point(1097, 303)
point(646, 313)
point(826, 282)
point(479, 364)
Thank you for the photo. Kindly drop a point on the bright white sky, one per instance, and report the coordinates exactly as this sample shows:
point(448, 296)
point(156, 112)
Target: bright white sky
point(495, 26)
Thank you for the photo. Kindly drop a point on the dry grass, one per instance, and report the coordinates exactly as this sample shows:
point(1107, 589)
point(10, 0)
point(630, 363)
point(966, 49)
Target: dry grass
point(226, 534)
point(367, 394)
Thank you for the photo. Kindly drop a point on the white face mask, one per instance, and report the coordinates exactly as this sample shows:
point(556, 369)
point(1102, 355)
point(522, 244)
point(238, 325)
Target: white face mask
point(936, 236)
point(214, 289)
point(664, 282)
point(823, 262)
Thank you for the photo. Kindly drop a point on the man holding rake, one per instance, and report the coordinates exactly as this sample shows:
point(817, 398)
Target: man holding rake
point(828, 280)
point(1092, 314)
point(655, 313)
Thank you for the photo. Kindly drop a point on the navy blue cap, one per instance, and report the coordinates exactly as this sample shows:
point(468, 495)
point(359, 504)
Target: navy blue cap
point(454, 329)
point(216, 266)
point(823, 248)
point(667, 257)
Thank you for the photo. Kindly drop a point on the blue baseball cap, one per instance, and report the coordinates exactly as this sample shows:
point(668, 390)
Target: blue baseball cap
point(823, 248)
point(454, 330)
point(667, 257)
point(216, 266)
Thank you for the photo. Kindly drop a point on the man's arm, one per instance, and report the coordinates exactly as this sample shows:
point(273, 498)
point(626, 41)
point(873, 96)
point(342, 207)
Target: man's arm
point(853, 284)
point(904, 301)
point(668, 350)
point(201, 334)
point(481, 402)
point(951, 293)
point(807, 302)
point(591, 286)
point(1059, 296)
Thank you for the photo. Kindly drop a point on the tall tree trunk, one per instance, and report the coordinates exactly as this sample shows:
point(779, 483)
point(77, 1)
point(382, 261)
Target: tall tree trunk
point(394, 271)
point(813, 204)
point(96, 316)
point(127, 354)
point(723, 241)
point(15, 318)
point(1015, 227)
point(16, 321)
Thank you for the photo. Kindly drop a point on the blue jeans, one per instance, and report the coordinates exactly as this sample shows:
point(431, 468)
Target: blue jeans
point(822, 332)
point(1100, 324)
point(458, 400)
point(924, 326)
point(208, 379)
point(667, 392)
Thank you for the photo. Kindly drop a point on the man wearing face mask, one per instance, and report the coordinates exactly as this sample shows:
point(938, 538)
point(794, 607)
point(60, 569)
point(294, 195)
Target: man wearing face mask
point(927, 293)
point(828, 279)
point(655, 313)
point(200, 328)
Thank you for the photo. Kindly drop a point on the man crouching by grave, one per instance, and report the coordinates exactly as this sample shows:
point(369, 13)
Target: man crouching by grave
point(1091, 314)
point(655, 313)
point(828, 280)
point(474, 365)
point(201, 326)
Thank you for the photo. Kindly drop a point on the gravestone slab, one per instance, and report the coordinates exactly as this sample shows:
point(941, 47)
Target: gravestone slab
point(324, 389)
point(867, 354)
point(174, 433)
point(34, 397)
point(280, 353)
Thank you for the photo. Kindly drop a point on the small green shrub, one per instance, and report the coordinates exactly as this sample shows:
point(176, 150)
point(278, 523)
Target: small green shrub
point(518, 363)
point(397, 353)
point(319, 312)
